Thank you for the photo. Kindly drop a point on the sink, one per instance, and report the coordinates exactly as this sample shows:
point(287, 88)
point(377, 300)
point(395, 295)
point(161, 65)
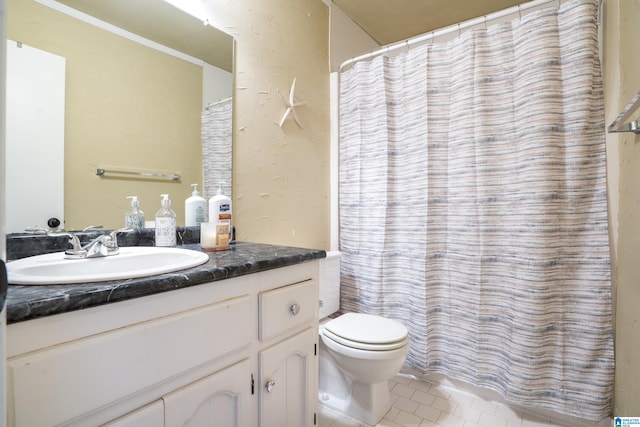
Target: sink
point(131, 262)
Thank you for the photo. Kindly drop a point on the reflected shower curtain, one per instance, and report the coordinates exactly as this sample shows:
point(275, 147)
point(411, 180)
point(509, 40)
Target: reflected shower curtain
point(217, 144)
point(473, 207)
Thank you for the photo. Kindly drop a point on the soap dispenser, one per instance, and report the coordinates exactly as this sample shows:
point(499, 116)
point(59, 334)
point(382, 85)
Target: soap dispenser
point(220, 215)
point(165, 223)
point(195, 208)
point(134, 218)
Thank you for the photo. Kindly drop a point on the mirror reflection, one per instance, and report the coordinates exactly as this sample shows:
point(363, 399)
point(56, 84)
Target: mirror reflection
point(130, 103)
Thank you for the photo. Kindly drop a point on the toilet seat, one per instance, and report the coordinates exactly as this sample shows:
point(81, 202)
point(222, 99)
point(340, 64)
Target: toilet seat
point(366, 332)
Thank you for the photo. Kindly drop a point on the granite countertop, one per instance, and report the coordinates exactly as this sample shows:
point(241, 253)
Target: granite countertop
point(31, 302)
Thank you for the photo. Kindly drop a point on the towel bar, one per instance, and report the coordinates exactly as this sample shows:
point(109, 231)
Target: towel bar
point(170, 176)
point(619, 124)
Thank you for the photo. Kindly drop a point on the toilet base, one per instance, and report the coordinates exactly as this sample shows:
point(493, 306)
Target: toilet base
point(366, 403)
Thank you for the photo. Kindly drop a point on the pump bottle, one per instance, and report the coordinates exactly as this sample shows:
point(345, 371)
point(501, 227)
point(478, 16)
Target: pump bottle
point(165, 223)
point(195, 208)
point(134, 218)
point(220, 215)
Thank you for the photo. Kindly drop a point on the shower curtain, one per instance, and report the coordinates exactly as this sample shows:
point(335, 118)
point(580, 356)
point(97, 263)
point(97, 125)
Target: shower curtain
point(217, 147)
point(473, 207)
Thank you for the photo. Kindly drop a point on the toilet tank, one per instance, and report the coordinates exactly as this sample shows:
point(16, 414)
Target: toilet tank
point(329, 284)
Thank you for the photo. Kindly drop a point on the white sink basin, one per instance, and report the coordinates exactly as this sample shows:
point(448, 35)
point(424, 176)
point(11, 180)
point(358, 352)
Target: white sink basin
point(136, 261)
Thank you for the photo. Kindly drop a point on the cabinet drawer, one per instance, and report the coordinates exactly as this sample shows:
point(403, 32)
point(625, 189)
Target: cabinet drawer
point(288, 307)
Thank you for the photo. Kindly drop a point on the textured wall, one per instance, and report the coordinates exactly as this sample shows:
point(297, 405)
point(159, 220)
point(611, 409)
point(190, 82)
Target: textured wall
point(281, 175)
point(622, 68)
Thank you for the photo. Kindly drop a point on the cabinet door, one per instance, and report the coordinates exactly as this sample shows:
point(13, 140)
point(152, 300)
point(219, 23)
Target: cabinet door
point(287, 397)
point(151, 415)
point(220, 400)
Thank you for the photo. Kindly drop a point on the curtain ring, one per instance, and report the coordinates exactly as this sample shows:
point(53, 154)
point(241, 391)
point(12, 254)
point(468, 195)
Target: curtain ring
point(484, 18)
point(520, 12)
point(407, 44)
point(432, 37)
point(458, 29)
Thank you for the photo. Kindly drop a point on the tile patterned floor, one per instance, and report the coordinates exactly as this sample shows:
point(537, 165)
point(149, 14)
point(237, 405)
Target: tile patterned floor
point(421, 404)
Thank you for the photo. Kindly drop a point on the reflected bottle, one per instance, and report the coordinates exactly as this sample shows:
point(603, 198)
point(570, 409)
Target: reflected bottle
point(165, 223)
point(134, 218)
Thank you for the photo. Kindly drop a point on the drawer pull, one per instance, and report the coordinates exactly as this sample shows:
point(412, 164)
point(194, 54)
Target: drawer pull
point(294, 309)
point(270, 385)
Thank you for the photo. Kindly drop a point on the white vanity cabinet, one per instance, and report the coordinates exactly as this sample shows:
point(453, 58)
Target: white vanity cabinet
point(198, 356)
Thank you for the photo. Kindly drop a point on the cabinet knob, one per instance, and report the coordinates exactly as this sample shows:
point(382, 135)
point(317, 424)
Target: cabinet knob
point(270, 385)
point(294, 309)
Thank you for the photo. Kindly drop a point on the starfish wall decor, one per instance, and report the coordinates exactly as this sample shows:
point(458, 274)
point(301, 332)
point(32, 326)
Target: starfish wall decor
point(291, 104)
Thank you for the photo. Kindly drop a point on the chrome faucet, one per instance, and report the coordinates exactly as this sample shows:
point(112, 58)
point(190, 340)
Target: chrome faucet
point(102, 246)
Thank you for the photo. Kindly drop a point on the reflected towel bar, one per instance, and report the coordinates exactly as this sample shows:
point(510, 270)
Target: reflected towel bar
point(619, 124)
point(170, 176)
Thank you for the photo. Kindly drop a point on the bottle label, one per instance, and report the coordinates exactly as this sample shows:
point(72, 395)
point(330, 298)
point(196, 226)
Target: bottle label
point(225, 207)
point(135, 222)
point(223, 234)
point(200, 214)
point(165, 231)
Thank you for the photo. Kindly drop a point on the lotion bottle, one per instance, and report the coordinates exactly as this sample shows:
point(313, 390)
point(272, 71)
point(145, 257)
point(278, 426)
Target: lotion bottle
point(220, 215)
point(195, 208)
point(134, 218)
point(165, 223)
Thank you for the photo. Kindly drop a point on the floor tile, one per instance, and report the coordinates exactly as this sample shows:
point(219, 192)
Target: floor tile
point(423, 397)
point(418, 403)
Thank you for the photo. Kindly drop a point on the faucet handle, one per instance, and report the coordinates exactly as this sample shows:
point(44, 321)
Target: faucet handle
point(36, 230)
point(114, 235)
point(73, 239)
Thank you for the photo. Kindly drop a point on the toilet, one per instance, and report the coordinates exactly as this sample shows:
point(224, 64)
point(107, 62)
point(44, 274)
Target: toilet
point(359, 353)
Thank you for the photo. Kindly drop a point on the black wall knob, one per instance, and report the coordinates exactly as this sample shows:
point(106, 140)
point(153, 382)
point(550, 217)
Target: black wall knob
point(53, 223)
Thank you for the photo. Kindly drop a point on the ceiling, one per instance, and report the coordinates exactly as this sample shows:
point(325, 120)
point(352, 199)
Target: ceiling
point(389, 21)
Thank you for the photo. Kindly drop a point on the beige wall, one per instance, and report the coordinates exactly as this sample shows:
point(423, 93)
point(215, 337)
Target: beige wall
point(622, 81)
point(127, 106)
point(281, 175)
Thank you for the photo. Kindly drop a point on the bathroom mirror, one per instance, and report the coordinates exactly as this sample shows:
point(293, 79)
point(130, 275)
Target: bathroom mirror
point(131, 105)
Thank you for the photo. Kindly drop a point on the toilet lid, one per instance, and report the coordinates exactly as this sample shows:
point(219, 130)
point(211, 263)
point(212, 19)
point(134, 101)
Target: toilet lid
point(367, 331)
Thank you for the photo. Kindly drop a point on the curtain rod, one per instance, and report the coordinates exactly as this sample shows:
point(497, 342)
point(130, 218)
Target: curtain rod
point(446, 30)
